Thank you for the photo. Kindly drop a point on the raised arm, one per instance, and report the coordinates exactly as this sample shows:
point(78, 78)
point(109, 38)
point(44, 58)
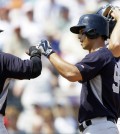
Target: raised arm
point(114, 42)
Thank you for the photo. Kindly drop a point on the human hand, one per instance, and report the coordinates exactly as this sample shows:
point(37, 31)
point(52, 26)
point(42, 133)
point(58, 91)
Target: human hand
point(33, 51)
point(45, 48)
point(116, 13)
point(111, 13)
point(105, 11)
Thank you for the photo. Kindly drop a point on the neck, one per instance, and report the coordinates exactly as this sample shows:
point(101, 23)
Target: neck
point(97, 44)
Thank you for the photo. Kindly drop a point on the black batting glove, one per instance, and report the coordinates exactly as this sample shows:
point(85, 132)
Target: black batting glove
point(33, 51)
point(45, 48)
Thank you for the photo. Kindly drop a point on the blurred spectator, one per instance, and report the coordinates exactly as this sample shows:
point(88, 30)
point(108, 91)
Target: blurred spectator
point(46, 10)
point(64, 121)
point(53, 35)
point(15, 3)
point(37, 90)
point(30, 29)
point(76, 8)
point(115, 3)
point(12, 114)
point(54, 43)
point(5, 24)
point(48, 125)
point(31, 121)
point(63, 21)
point(16, 44)
point(70, 46)
point(93, 4)
point(37, 93)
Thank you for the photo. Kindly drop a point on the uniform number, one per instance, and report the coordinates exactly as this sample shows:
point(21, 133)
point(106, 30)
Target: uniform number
point(116, 85)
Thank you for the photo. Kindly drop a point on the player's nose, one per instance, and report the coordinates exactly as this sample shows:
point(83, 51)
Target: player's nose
point(80, 37)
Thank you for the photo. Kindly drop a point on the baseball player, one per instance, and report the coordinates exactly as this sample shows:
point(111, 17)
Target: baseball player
point(98, 72)
point(13, 67)
point(105, 12)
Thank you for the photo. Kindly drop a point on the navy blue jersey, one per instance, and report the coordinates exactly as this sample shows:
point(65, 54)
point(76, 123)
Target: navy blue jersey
point(13, 67)
point(100, 95)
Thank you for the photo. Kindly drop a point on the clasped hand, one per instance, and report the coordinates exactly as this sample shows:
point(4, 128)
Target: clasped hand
point(43, 47)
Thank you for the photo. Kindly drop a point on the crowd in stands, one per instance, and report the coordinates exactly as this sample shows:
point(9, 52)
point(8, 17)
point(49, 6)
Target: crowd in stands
point(48, 104)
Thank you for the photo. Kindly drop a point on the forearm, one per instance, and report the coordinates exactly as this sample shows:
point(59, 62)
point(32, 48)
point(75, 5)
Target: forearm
point(114, 44)
point(67, 70)
point(37, 66)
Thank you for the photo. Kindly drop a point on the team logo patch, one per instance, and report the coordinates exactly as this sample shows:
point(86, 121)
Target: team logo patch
point(82, 66)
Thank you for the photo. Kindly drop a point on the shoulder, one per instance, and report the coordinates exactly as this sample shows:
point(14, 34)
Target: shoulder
point(4, 56)
point(101, 56)
point(101, 53)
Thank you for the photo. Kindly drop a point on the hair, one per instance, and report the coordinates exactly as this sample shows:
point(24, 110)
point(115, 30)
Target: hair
point(104, 37)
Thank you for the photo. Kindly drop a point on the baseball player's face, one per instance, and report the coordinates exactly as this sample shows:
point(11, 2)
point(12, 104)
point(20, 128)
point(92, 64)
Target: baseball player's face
point(86, 43)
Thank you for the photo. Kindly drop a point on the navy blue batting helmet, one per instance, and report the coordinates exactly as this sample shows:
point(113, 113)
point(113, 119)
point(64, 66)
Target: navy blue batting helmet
point(93, 24)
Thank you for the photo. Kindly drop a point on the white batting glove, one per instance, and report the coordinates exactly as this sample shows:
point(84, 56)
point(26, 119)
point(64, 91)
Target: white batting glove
point(45, 48)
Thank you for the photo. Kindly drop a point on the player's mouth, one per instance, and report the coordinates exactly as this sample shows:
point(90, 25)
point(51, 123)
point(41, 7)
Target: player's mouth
point(81, 44)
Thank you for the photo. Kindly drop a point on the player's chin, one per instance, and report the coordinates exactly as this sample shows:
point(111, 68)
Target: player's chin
point(83, 46)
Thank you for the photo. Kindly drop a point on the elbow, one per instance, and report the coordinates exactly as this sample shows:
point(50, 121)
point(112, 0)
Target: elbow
point(115, 44)
point(71, 77)
point(115, 48)
point(72, 80)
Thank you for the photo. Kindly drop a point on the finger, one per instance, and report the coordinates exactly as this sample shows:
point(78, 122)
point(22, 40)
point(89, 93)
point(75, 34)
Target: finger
point(115, 13)
point(112, 14)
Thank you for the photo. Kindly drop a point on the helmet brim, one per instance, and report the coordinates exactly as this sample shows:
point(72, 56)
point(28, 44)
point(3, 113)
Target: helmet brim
point(76, 29)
